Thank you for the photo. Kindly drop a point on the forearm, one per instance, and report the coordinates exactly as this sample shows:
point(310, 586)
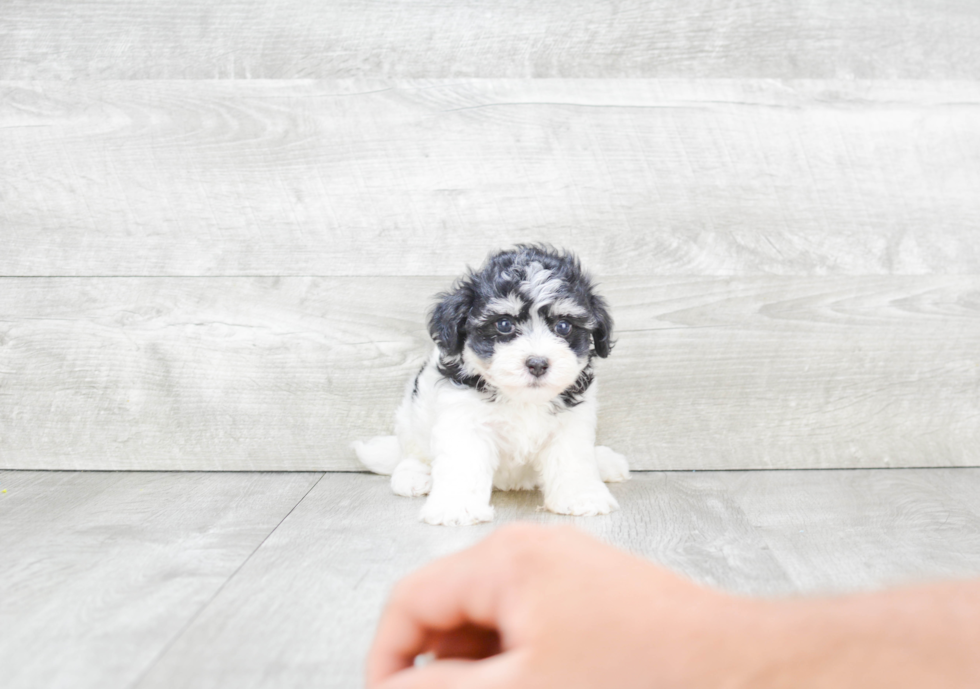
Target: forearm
point(927, 636)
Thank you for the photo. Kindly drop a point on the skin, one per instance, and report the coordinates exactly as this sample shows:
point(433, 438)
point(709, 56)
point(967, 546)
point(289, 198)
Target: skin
point(543, 607)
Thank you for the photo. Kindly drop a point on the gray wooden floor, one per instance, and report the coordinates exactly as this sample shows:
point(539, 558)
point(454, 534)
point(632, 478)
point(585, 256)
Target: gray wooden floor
point(142, 579)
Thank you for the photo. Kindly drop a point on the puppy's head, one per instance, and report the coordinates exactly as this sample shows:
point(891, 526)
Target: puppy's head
point(527, 322)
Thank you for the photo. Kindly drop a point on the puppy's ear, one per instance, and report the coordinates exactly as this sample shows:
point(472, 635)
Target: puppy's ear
point(602, 332)
point(448, 320)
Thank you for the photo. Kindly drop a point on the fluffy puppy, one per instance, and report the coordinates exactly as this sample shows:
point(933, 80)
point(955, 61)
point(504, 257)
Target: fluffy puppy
point(507, 399)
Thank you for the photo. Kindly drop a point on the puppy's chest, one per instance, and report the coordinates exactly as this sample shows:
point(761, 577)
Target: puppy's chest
point(523, 432)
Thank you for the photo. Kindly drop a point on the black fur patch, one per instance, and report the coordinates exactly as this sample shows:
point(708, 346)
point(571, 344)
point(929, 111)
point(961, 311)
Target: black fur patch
point(415, 385)
point(572, 397)
point(461, 316)
point(453, 371)
point(459, 313)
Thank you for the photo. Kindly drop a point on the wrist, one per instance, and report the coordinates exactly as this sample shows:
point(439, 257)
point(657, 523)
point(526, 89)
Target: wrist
point(894, 639)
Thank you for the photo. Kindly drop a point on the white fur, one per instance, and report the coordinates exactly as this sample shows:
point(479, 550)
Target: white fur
point(456, 446)
point(509, 305)
point(507, 369)
point(486, 420)
point(566, 307)
point(539, 286)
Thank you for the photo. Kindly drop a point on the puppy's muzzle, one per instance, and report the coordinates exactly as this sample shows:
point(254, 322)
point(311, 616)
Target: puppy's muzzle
point(537, 365)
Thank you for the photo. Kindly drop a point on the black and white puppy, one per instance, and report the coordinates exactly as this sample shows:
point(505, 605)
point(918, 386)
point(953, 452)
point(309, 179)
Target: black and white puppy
point(508, 398)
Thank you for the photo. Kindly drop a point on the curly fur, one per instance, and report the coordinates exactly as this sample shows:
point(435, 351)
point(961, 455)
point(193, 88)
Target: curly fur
point(507, 399)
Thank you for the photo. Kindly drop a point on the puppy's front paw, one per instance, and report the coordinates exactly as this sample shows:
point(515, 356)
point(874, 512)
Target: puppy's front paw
point(582, 501)
point(454, 511)
point(613, 467)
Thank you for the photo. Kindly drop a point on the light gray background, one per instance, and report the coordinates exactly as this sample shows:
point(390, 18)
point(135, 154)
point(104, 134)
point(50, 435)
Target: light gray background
point(222, 225)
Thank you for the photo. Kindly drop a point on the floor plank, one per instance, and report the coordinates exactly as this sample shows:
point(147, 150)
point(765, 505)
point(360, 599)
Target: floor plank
point(101, 571)
point(194, 39)
point(641, 177)
point(865, 528)
point(302, 611)
point(280, 374)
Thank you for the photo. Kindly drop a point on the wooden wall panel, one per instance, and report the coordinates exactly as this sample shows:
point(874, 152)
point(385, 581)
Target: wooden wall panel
point(422, 177)
point(236, 39)
point(780, 200)
point(281, 373)
point(242, 374)
point(802, 373)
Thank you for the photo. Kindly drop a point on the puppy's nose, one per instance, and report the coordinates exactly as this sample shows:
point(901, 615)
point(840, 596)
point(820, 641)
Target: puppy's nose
point(537, 365)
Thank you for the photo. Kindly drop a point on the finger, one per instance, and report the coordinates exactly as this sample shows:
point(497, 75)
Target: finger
point(493, 673)
point(461, 589)
point(398, 639)
point(444, 674)
point(437, 598)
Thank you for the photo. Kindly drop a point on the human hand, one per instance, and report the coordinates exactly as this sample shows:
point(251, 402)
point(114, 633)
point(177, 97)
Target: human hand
point(540, 607)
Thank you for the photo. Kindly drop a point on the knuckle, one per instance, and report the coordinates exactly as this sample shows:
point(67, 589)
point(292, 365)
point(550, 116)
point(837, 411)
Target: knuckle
point(517, 538)
point(523, 546)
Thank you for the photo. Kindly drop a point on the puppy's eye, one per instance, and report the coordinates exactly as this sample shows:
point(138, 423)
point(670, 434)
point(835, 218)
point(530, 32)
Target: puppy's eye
point(563, 328)
point(505, 326)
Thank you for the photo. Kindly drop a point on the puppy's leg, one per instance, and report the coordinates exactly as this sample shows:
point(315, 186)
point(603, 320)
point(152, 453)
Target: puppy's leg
point(613, 467)
point(411, 478)
point(570, 477)
point(462, 475)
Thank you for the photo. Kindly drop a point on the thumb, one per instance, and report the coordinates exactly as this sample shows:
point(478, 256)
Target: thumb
point(497, 672)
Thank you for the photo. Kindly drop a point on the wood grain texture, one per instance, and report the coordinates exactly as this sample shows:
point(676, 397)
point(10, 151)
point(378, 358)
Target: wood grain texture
point(302, 611)
point(201, 373)
point(281, 373)
point(803, 373)
point(101, 571)
point(421, 177)
point(194, 39)
point(868, 528)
